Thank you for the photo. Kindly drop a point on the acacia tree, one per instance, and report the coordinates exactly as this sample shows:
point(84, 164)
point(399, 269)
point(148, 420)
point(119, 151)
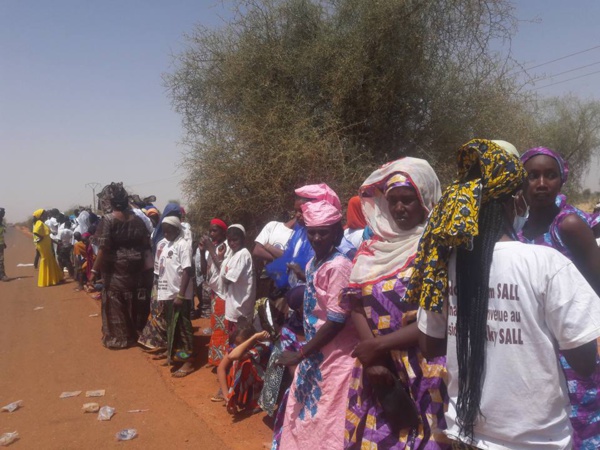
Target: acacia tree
point(298, 91)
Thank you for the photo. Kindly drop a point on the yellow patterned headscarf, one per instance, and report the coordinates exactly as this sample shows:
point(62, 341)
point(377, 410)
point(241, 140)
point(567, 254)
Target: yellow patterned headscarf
point(485, 172)
point(38, 213)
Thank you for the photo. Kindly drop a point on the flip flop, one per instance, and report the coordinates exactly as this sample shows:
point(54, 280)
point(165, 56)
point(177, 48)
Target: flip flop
point(159, 357)
point(181, 373)
point(217, 398)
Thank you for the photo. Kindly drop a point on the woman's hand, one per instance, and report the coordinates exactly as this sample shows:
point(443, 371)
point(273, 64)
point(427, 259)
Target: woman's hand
point(380, 375)
point(262, 336)
point(297, 270)
point(289, 359)
point(207, 243)
point(368, 351)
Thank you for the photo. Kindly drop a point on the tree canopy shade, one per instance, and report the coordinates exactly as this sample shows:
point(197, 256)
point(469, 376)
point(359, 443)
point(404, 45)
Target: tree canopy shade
point(291, 92)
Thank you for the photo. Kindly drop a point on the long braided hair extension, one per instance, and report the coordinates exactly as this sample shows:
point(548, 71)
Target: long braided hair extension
point(472, 278)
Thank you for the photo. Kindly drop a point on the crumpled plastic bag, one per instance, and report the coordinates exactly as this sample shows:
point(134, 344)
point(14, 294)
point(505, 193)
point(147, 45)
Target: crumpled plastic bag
point(69, 394)
point(90, 407)
point(8, 438)
point(13, 406)
point(97, 393)
point(105, 413)
point(126, 435)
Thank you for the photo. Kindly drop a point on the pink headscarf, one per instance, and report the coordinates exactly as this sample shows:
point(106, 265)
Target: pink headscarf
point(317, 192)
point(320, 214)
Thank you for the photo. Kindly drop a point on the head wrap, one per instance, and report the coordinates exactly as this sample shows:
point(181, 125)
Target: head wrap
point(219, 223)
point(563, 166)
point(38, 213)
point(485, 173)
point(113, 196)
point(239, 227)
point(320, 213)
point(355, 219)
point(172, 209)
point(396, 180)
point(173, 221)
point(319, 192)
point(391, 249)
point(85, 235)
point(507, 147)
point(182, 210)
point(152, 212)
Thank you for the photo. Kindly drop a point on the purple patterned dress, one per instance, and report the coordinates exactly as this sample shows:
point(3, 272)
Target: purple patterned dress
point(366, 426)
point(584, 392)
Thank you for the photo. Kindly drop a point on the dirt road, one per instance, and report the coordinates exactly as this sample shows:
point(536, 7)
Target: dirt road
point(47, 351)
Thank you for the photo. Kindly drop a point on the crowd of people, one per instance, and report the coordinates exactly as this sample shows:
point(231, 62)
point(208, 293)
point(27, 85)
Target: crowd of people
point(424, 320)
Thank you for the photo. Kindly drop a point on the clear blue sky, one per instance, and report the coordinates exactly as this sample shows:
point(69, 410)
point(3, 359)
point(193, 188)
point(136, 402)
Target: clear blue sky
point(82, 99)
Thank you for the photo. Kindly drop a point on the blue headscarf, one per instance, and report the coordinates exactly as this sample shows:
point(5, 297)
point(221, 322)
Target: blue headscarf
point(172, 209)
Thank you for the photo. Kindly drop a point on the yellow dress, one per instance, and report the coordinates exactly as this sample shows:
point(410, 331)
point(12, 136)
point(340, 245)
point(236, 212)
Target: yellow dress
point(49, 272)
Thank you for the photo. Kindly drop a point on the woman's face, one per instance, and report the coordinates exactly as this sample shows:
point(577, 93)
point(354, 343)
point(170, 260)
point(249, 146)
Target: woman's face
point(543, 181)
point(170, 232)
point(216, 233)
point(405, 207)
point(298, 211)
point(235, 242)
point(322, 239)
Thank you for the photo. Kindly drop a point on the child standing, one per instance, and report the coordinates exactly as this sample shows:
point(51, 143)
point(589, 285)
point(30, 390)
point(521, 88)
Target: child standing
point(241, 372)
point(237, 273)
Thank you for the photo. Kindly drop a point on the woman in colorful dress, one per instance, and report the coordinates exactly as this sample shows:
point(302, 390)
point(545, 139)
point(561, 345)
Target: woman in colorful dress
point(554, 223)
point(396, 200)
point(49, 274)
point(213, 251)
point(316, 406)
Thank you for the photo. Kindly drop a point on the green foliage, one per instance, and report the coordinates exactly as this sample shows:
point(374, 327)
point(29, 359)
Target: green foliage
point(291, 92)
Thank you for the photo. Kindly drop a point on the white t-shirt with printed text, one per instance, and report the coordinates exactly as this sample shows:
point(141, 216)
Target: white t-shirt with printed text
point(237, 272)
point(174, 257)
point(539, 303)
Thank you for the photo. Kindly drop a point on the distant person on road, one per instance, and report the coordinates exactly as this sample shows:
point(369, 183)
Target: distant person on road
point(49, 273)
point(3, 276)
point(65, 246)
point(123, 255)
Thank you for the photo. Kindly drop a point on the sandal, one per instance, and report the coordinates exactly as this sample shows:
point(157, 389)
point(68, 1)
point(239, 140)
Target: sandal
point(181, 373)
point(217, 398)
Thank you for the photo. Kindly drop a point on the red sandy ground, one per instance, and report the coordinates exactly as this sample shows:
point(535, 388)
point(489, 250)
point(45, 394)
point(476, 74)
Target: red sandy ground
point(57, 348)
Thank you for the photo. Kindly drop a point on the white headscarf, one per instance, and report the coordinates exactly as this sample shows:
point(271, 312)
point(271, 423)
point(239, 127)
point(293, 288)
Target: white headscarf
point(390, 249)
